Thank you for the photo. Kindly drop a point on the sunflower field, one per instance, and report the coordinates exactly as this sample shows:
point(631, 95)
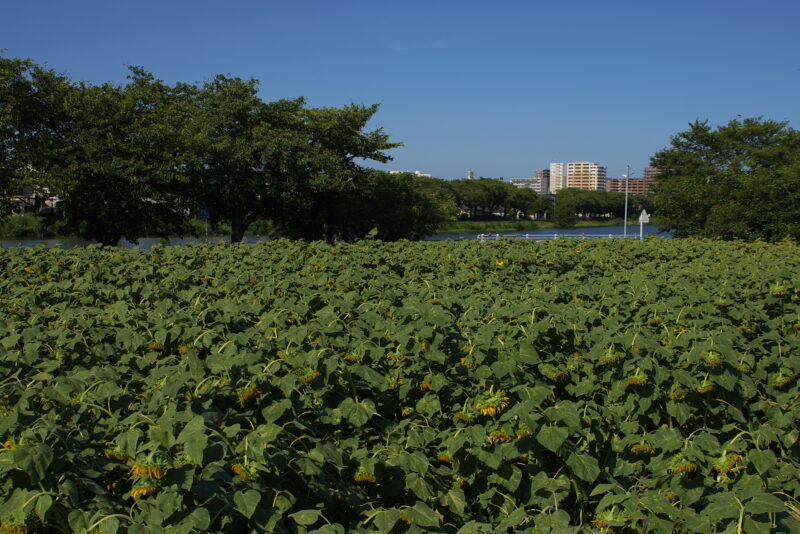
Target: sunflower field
point(564, 386)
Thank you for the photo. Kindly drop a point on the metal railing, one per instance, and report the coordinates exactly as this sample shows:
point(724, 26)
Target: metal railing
point(546, 237)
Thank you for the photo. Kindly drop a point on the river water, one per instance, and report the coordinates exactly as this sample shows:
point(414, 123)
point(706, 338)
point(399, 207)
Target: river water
point(146, 243)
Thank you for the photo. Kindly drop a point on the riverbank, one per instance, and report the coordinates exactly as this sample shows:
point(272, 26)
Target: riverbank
point(31, 230)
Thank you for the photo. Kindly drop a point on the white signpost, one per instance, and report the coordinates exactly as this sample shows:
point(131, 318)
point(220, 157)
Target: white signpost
point(644, 218)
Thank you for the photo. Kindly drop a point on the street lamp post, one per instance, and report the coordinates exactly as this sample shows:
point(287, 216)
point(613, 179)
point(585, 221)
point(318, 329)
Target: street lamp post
point(625, 217)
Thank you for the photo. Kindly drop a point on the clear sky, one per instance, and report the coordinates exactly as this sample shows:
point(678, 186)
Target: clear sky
point(501, 88)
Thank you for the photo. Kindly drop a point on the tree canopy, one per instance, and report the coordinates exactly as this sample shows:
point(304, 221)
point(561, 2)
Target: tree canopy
point(141, 158)
point(738, 181)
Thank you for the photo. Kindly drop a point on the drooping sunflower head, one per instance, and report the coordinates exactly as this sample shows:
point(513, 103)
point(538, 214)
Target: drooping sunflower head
point(499, 435)
point(247, 394)
point(243, 471)
point(726, 462)
point(643, 448)
point(143, 491)
point(492, 402)
point(680, 465)
point(365, 476)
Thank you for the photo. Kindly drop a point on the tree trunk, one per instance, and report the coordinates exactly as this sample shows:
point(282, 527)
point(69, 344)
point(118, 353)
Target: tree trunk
point(237, 223)
point(240, 222)
point(238, 228)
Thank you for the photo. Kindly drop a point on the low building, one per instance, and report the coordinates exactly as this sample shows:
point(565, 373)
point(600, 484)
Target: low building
point(636, 186)
point(539, 182)
point(415, 173)
point(28, 199)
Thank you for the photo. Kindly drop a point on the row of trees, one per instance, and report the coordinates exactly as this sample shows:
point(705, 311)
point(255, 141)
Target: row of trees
point(570, 204)
point(141, 158)
point(486, 197)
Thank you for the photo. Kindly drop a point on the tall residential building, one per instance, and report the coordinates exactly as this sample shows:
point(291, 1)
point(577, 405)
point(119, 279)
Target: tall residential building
point(578, 175)
point(558, 177)
point(586, 175)
point(542, 178)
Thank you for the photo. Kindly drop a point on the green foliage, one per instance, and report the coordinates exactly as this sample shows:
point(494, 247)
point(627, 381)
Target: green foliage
point(31, 226)
point(401, 387)
point(738, 181)
point(565, 209)
point(398, 206)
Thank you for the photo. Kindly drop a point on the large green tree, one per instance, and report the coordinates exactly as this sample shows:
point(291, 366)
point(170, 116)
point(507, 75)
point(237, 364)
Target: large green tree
point(255, 160)
point(737, 181)
point(111, 153)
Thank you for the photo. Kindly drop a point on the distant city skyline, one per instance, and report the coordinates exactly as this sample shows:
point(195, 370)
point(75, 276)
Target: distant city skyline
point(470, 174)
point(500, 89)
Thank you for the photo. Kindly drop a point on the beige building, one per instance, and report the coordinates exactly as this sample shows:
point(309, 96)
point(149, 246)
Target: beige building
point(577, 175)
point(636, 186)
point(586, 175)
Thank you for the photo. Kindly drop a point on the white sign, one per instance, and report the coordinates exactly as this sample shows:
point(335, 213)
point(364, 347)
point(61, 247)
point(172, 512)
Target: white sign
point(644, 217)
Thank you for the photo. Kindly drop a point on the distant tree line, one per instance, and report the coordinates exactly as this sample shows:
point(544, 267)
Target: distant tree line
point(485, 198)
point(572, 204)
point(141, 158)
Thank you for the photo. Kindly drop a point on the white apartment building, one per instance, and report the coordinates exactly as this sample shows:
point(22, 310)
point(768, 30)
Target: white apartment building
point(577, 175)
point(558, 176)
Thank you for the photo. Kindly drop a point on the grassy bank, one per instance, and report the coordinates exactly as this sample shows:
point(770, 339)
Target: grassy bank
point(459, 227)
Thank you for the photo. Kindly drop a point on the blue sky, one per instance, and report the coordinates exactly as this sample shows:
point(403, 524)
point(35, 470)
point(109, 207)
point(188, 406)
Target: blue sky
point(500, 87)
